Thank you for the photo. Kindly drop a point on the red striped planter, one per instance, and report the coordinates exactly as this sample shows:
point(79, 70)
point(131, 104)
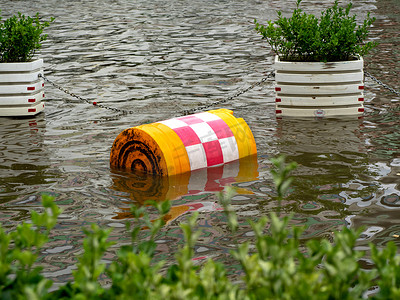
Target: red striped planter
point(317, 89)
point(21, 88)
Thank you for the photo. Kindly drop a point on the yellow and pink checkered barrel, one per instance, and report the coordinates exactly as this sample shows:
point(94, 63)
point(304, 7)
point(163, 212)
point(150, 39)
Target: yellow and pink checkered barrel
point(183, 144)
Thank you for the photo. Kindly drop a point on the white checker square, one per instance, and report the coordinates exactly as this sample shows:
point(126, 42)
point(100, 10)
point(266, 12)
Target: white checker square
point(206, 117)
point(173, 123)
point(204, 132)
point(229, 148)
point(197, 157)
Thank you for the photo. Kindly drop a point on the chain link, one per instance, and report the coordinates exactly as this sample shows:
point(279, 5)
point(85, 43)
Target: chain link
point(270, 75)
point(237, 94)
point(122, 111)
point(381, 83)
point(184, 112)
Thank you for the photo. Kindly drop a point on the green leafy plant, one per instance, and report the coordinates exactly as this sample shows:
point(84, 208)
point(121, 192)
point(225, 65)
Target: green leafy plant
point(21, 37)
point(281, 177)
point(335, 36)
point(277, 264)
point(19, 249)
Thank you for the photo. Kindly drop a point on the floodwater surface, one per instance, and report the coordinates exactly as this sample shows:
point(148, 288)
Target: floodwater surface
point(159, 58)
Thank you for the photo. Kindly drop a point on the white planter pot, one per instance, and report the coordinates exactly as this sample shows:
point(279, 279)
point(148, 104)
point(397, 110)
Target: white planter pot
point(21, 88)
point(317, 89)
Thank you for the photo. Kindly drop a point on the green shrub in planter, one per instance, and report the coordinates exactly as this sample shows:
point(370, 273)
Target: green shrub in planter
point(21, 37)
point(334, 36)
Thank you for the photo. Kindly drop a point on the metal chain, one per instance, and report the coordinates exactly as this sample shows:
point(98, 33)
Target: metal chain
point(381, 83)
point(122, 111)
point(271, 74)
point(184, 112)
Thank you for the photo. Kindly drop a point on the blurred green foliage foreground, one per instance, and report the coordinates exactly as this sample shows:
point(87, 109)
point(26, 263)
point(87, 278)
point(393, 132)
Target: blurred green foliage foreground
point(277, 265)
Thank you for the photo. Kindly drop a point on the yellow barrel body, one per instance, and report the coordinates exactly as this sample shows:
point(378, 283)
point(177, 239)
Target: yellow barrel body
point(183, 144)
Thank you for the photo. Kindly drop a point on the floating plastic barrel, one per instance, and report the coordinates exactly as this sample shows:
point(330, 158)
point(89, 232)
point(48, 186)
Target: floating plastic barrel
point(183, 144)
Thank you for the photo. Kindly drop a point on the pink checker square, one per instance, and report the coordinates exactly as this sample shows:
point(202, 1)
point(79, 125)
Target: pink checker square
point(190, 120)
point(220, 128)
point(187, 135)
point(213, 153)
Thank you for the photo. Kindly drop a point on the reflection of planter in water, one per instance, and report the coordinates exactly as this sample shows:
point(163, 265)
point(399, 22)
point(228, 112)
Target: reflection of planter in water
point(25, 166)
point(320, 136)
point(334, 164)
point(183, 144)
point(317, 89)
point(21, 89)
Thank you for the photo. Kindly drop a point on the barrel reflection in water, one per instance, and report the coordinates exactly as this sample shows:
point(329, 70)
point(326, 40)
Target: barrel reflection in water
point(140, 187)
